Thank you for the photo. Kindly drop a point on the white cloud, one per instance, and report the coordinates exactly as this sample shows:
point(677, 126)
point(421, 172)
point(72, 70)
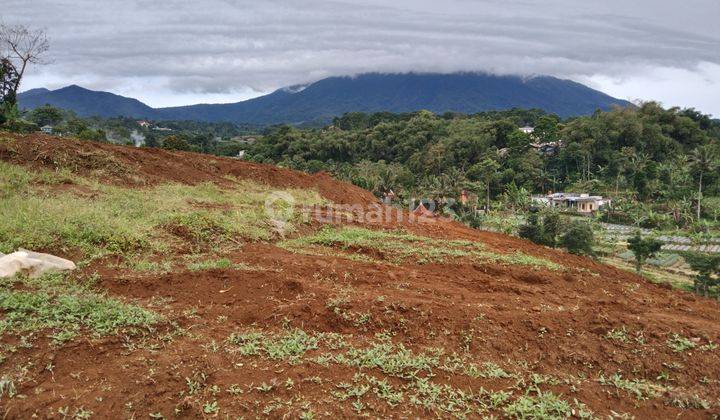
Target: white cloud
point(174, 52)
point(697, 88)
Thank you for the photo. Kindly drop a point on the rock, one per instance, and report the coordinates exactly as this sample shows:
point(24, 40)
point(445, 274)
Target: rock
point(33, 263)
point(278, 227)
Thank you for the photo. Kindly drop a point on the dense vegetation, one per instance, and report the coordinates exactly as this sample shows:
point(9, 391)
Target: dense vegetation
point(663, 159)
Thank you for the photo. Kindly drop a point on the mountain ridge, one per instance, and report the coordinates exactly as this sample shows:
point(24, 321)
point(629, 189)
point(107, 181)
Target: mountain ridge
point(369, 92)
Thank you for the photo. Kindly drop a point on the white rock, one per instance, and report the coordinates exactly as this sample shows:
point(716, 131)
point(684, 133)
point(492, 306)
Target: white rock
point(32, 263)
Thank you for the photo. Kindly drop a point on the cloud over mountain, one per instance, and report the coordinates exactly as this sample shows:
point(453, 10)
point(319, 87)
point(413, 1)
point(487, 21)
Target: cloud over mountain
point(168, 52)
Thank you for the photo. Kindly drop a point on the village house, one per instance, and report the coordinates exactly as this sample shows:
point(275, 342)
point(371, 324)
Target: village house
point(47, 129)
point(527, 129)
point(581, 203)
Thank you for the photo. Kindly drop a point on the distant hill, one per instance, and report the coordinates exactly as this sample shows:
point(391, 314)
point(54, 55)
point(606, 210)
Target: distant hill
point(86, 102)
point(374, 92)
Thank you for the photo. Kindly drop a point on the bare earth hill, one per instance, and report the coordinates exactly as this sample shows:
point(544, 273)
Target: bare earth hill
point(190, 301)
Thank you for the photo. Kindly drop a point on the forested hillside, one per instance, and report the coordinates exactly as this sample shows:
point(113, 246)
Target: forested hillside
point(646, 154)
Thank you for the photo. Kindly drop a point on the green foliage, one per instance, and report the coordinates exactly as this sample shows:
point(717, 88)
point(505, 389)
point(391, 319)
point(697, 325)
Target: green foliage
point(707, 267)
point(46, 115)
point(544, 405)
point(680, 344)
point(542, 228)
point(8, 81)
point(57, 303)
point(641, 153)
point(643, 248)
point(579, 238)
point(641, 389)
point(124, 220)
point(397, 246)
point(176, 143)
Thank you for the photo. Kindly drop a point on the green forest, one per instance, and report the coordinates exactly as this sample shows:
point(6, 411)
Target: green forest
point(657, 164)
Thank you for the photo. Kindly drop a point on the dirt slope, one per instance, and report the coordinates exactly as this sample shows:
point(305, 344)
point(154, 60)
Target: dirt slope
point(591, 334)
point(131, 166)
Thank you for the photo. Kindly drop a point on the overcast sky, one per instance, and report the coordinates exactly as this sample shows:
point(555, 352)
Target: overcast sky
point(175, 52)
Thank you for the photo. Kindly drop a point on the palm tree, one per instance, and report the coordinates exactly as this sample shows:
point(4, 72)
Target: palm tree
point(702, 160)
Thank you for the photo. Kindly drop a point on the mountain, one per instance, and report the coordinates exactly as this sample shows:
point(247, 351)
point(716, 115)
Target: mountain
point(85, 102)
point(373, 92)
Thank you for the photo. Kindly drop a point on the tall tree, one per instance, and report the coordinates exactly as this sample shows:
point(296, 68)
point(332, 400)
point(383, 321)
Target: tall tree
point(8, 79)
point(485, 172)
point(707, 267)
point(703, 161)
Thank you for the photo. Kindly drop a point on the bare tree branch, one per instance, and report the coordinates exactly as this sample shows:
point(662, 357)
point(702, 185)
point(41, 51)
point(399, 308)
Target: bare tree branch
point(22, 46)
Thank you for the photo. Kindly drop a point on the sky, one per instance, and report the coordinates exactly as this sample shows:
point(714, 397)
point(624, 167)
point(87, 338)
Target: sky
point(177, 52)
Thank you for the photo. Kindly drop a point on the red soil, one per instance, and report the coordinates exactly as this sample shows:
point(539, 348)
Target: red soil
point(550, 322)
point(129, 166)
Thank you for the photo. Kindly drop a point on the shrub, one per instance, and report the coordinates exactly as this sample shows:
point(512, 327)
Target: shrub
point(175, 143)
point(543, 231)
point(579, 238)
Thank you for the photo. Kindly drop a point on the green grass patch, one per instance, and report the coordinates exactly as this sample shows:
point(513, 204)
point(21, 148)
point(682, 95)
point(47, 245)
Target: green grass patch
point(67, 308)
point(544, 405)
point(680, 344)
point(402, 377)
point(158, 267)
point(126, 220)
point(290, 346)
point(398, 246)
point(641, 389)
point(222, 263)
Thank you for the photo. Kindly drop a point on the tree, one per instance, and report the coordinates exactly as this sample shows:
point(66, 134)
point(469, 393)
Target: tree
point(46, 115)
point(532, 229)
point(8, 79)
point(543, 231)
point(22, 46)
point(552, 228)
point(703, 160)
point(706, 266)
point(643, 248)
point(485, 172)
point(176, 143)
point(579, 238)
point(151, 140)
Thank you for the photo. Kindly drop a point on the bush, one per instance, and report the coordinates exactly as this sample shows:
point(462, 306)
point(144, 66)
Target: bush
point(579, 238)
point(176, 143)
point(532, 229)
point(20, 126)
point(543, 232)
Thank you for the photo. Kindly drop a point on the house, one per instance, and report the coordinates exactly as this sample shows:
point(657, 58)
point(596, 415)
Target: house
point(527, 129)
point(143, 123)
point(581, 203)
point(47, 129)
